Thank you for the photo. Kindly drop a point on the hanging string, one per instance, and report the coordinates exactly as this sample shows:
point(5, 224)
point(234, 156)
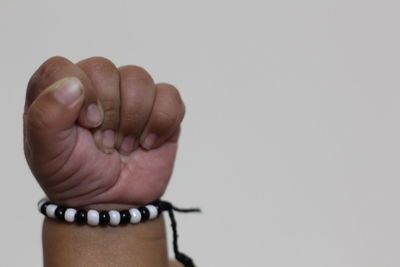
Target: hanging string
point(167, 206)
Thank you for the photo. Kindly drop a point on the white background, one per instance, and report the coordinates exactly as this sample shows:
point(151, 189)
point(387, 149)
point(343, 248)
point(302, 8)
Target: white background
point(291, 140)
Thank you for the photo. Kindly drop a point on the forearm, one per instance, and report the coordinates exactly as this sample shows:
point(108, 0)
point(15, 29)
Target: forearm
point(142, 244)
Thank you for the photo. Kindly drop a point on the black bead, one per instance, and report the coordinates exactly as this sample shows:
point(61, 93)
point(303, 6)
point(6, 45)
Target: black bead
point(125, 217)
point(145, 213)
point(104, 218)
point(43, 208)
point(81, 216)
point(59, 213)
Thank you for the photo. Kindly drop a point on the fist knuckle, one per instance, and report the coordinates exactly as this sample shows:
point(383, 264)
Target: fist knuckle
point(51, 66)
point(172, 92)
point(43, 76)
point(136, 74)
point(100, 65)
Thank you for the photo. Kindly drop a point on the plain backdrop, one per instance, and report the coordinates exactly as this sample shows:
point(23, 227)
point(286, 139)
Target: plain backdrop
point(291, 141)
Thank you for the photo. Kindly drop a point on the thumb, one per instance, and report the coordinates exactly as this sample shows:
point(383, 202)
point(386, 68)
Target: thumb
point(50, 120)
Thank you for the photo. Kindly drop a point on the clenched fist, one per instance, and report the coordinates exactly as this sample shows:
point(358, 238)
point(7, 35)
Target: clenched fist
point(95, 133)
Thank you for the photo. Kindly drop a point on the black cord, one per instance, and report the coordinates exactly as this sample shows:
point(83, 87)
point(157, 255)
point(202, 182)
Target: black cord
point(179, 256)
point(161, 205)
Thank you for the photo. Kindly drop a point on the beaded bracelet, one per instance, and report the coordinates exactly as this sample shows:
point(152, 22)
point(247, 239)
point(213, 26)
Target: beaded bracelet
point(123, 217)
point(94, 217)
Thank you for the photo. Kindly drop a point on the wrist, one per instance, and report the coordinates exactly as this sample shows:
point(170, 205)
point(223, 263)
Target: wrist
point(117, 216)
point(67, 244)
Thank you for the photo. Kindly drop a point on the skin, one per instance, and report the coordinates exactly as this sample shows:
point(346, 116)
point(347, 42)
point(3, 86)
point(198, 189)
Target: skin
point(100, 136)
point(134, 245)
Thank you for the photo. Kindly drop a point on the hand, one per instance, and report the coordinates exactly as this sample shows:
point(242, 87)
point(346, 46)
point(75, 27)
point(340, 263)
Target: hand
point(95, 134)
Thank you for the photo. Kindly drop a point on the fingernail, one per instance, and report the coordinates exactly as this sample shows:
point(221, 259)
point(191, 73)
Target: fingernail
point(98, 138)
point(127, 144)
point(108, 141)
point(68, 91)
point(93, 114)
point(149, 141)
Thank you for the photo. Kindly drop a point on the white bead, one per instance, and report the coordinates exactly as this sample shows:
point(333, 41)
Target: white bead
point(41, 202)
point(115, 217)
point(93, 217)
point(50, 210)
point(135, 215)
point(153, 211)
point(69, 215)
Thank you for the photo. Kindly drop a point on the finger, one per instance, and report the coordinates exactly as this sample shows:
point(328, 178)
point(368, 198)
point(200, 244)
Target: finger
point(105, 79)
point(49, 122)
point(165, 119)
point(137, 97)
point(55, 69)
